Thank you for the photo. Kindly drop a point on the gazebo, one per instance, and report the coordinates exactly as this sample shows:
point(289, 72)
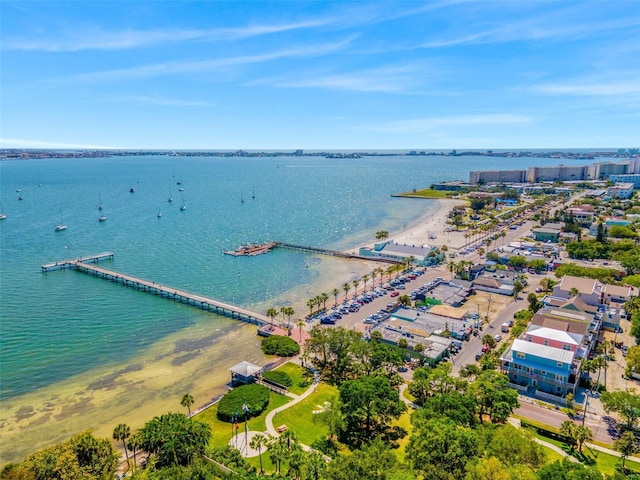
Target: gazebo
point(244, 372)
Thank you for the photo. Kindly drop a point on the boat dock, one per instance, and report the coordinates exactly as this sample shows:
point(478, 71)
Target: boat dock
point(154, 288)
point(71, 263)
point(251, 249)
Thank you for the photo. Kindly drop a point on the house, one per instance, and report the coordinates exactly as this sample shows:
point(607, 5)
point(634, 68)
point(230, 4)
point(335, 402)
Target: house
point(540, 367)
point(500, 282)
point(617, 295)
point(589, 289)
point(544, 234)
point(621, 190)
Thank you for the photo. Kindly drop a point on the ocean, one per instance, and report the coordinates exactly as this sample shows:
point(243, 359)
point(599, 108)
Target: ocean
point(77, 352)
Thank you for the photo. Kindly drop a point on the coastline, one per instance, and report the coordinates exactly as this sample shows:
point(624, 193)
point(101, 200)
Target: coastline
point(152, 383)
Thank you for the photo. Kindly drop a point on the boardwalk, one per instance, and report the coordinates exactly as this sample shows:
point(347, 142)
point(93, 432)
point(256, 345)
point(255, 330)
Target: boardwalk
point(154, 288)
point(333, 253)
point(61, 265)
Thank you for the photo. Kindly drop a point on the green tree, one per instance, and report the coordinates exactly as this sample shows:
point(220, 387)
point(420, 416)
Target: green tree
point(258, 442)
point(625, 403)
point(382, 235)
point(439, 445)
point(122, 432)
point(569, 430)
point(272, 313)
point(335, 293)
point(514, 446)
point(534, 303)
point(627, 445)
point(368, 405)
point(404, 300)
point(187, 401)
point(493, 396)
point(175, 439)
point(518, 262)
point(346, 287)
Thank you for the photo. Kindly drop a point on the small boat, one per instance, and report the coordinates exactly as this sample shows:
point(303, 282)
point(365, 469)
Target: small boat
point(170, 199)
point(159, 214)
point(253, 193)
point(18, 190)
point(102, 218)
point(20, 197)
point(181, 189)
point(183, 207)
point(100, 203)
point(61, 226)
point(241, 198)
point(2, 215)
point(132, 190)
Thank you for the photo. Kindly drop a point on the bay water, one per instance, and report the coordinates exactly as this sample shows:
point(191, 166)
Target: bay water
point(78, 353)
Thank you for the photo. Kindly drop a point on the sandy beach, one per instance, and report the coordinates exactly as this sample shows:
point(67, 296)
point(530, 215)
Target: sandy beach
point(195, 360)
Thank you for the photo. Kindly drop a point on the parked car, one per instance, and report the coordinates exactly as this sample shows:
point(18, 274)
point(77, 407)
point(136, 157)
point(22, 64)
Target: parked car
point(395, 294)
point(497, 338)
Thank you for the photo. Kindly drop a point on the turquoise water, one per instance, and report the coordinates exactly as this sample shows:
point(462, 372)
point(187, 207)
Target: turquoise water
point(61, 324)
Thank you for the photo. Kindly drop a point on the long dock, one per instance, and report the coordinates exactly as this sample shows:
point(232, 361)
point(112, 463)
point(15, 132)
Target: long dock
point(61, 265)
point(334, 253)
point(154, 288)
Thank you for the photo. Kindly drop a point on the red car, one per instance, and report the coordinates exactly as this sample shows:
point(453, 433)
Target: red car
point(395, 294)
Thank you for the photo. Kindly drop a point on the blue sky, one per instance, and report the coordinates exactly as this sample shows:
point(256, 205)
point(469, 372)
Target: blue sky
point(320, 75)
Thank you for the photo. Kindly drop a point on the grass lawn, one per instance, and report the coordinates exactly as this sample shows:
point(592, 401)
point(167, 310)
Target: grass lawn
point(605, 462)
point(299, 418)
point(221, 431)
point(299, 382)
point(405, 422)
point(428, 193)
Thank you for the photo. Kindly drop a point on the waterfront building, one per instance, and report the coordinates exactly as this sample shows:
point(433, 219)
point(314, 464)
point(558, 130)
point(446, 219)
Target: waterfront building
point(621, 190)
point(422, 255)
point(633, 178)
point(560, 172)
point(497, 176)
point(451, 186)
point(602, 171)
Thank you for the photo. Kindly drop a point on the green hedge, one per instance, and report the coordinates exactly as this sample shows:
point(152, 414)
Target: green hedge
point(280, 345)
point(254, 396)
point(546, 431)
point(279, 377)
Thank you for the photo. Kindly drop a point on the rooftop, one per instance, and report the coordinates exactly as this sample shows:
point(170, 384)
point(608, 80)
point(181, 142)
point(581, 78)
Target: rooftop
point(543, 351)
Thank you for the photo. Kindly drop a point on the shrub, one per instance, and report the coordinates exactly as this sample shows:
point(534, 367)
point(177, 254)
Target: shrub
point(279, 377)
point(254, 396)
point(280, 345)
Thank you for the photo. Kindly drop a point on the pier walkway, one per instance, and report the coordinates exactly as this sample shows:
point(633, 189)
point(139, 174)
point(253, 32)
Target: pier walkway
point(334, 253)
point(154, 288)
point(70, 263)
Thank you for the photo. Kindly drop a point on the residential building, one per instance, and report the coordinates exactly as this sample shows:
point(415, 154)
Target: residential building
point(589, 289)
point(560, 172)
point(498, 176)
point(617, 295)
point(604, 170)
point(621, 190)
point(628, 178)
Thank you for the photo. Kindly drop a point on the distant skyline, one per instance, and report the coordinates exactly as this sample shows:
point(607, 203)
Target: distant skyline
point(320, 75)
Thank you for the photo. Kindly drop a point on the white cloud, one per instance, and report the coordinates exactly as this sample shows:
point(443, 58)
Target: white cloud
point(6, 142)
point(178, 68)
point(158, 101)
point(430, 123)
point(393, 79)
point(590, 89)
point(95, 38)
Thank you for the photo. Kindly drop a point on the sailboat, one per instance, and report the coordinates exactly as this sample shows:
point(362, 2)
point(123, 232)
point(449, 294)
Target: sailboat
point(159, 214)
point(253, 193)
point(61, 226)
point(102, 218)
point(170, 198)
point(183, 207)
point(241, 198)
point(100, 202)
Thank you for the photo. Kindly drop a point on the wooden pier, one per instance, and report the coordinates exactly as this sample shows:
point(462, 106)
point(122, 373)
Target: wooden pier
point(154, 288)
point(333, 253)
point(71, 263)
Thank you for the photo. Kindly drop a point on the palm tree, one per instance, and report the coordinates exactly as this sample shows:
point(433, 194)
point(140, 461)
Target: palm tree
point(574, 292)
point(410, 259)
point(583, 434)
point(122, 432)
point(134, 444)
point(323, 298)
point(356, 282)
point(382, 235)
point(311, 303)
point(289, 312)
point(187, 401)
point(346, 287)
point(300, 324)
point(365, 279)
point(272, 313)
point(316, 465)
point(257, 443)
point(335, 292)
point(452, 267)
point(402, 345)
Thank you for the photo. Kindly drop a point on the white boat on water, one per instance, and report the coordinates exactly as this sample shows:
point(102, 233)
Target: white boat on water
point(159, 214)
point(102, 218)
point(61, 226)
point(3, 216)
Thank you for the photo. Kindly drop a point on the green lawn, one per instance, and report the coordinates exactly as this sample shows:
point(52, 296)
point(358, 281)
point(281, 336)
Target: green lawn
point(605, 462)
point(429, 193)
point(300, 418)
point(299, 381)
point(221, 431)
point(405, 422)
